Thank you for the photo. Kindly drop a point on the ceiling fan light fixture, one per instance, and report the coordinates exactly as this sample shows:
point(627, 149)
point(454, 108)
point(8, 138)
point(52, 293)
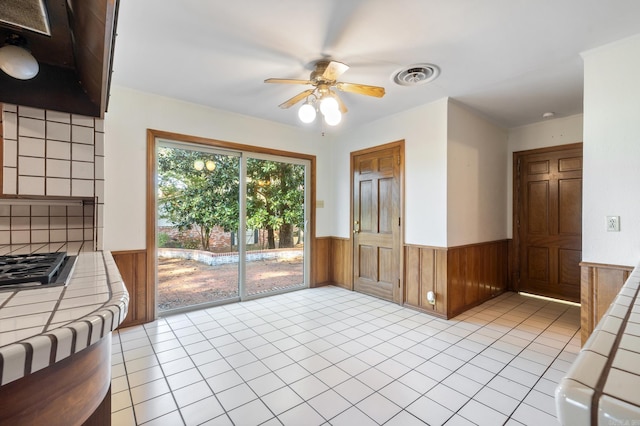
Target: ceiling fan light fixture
point(333, 118)
point(328, 105)
point(307, 113)
point(18, 62)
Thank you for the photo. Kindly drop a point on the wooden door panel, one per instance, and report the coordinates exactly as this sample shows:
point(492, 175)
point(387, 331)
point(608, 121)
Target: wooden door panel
point(385, 265)
point(376, 183)
point(570, 164)
point(569, 266)
point(365, 166)
point(385, 198)
point(549, 190)
point(367, 264)
point(570, 206)
point(538, 263)
point(538, 208)
point(538, 167)
point(366, 206)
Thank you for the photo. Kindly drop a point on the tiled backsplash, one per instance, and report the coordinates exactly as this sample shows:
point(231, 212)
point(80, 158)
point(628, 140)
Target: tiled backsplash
point(50, 153)
point(42, 223)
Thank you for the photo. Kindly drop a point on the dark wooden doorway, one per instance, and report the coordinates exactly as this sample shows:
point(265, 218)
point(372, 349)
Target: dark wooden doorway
point(548, 221)
point(377, 221)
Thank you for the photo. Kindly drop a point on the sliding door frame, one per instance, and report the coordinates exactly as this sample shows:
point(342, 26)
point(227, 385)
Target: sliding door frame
point(153, 136)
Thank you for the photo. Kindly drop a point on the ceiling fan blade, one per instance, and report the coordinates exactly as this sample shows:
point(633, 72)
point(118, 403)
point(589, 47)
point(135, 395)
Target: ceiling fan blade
point(297, 98)
point(286, 81)
point(334, 70)
point(341, 105)
point(361, 89)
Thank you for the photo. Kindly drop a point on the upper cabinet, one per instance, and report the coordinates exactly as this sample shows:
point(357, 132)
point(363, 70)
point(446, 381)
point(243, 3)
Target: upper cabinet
point(73, 47)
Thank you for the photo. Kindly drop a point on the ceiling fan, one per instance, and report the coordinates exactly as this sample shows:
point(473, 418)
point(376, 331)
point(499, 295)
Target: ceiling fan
point(323, 96)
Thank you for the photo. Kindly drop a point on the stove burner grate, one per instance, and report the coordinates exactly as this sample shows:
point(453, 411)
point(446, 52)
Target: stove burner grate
point(40, 268)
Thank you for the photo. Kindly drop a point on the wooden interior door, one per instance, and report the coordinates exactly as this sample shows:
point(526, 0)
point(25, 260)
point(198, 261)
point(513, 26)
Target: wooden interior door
point(377, 223)
point(548, 221)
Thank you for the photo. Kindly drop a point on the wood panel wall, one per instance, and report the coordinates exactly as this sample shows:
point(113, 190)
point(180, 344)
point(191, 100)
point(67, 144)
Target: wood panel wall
point(133, 269)
point(599, 285)
point(476, 273)
point(341, 262)
point(461, 277)
point(425, 270)
point(322, 260)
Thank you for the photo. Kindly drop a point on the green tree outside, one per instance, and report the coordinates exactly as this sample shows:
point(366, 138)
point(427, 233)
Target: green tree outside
point(205, 198)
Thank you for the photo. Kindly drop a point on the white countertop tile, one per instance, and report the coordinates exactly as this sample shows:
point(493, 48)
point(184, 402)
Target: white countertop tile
point(89, 307)
point(9, 337)
point(24, 321)
point(96, 301)
point(34, 308)
point(31, 296)
point(631, 343)
point(601, 342)
point(612, 411)
point(615, 386)
point(626, 360)
point(623, 385)
point(14, 362)
point(587, 368)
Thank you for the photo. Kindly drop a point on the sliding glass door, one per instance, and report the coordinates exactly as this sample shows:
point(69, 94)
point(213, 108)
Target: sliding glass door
point(275, 224)
point(198, 209)
point(231, 225)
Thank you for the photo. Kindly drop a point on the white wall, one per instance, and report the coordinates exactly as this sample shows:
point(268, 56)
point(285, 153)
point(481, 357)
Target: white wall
point(131, 113)
point(424, 130)
point(612, 152)
point(558, 131)
point(476, 187)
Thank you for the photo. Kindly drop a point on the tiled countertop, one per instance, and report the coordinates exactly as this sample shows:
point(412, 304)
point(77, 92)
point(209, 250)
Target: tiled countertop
point(39, 327)
point(603, 384)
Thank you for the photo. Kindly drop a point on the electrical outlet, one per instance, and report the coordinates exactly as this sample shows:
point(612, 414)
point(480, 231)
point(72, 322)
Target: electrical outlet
point(613, 223)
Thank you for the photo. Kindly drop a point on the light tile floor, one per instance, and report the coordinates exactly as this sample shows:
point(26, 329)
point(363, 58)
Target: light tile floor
point(330, 356)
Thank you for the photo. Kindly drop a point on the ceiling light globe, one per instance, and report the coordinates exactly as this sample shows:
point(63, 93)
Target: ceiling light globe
point(328, 105)
point(333, 118)
point(210, 165)
point(18, 62)
point(307, 113)
point(198, 165)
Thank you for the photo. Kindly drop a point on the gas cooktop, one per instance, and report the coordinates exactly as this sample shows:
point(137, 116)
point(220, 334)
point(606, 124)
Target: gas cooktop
point(34, 270)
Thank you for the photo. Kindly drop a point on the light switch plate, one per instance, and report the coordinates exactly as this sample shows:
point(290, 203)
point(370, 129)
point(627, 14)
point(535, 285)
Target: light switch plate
point(613, 223)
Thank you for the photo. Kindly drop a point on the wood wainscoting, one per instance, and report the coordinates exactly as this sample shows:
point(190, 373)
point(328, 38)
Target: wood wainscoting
point(425, 270)
point(322, 260)
point(460, 277)
point(599, 285)
point(133, 269)
point(333, 262)
point(341, 262)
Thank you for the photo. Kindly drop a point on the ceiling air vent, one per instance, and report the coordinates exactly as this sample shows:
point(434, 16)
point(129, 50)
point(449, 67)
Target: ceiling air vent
point(415, 75)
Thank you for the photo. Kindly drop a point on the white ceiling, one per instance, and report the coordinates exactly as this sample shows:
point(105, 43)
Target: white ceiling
point(511, 60)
